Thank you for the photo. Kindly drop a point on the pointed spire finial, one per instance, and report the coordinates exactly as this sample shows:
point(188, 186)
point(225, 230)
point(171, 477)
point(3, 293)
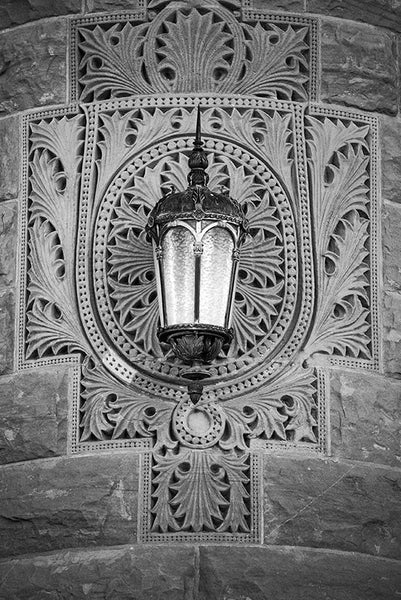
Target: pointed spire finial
point(198, 159)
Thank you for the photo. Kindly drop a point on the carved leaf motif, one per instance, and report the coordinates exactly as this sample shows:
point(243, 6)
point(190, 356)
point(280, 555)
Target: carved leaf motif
point(139, 312)
point(112, 59)
point(53, 197)
point(276, 64)
point(339, 167)
point(63, 137)
point(283, 405)
point(199, 492)
point(236, 468)
point(163, 510)
point(53, 322)
point(112, 410)
point(114, 131)
point(194, 490)
point(201, 61)
point(267, 135)
point(131, 258)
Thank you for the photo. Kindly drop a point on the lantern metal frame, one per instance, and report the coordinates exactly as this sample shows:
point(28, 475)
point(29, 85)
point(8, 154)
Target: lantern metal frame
point(198, 211)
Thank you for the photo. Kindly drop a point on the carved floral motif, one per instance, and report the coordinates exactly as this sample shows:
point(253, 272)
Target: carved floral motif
point(193, 49)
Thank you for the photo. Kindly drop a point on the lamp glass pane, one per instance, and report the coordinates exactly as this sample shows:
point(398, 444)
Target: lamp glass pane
point(216, 271)
point(178, 274)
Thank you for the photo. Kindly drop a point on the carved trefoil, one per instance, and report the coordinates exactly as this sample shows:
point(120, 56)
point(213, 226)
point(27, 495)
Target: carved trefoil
point(307, 291)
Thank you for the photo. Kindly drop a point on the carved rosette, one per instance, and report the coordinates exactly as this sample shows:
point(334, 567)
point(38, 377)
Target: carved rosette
point(307, 290)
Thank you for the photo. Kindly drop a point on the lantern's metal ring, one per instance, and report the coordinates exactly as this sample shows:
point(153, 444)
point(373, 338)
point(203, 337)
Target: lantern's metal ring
point(167, 333)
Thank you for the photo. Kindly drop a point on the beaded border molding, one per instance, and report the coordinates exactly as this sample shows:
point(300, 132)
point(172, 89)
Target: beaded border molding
point(307, 291)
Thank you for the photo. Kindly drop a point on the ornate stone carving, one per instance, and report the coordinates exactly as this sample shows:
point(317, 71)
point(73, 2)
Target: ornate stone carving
point(307, 290)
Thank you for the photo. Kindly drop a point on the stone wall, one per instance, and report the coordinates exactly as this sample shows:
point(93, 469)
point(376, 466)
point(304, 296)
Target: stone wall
point(331, 522)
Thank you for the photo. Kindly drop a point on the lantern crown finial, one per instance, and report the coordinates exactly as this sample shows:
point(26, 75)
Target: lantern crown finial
point(197, 159)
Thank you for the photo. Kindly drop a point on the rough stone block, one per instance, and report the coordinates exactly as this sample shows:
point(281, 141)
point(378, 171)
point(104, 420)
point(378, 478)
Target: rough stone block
point(7, 309)
point(382, 13)
point(392, 332)
point(295, 574)
point(390, 135)
point(16, 12)
point(129, 573)
point(33, 414)
point(68, 502)
point(391, 315)
point(359, 66)
point(365, 417)
point(332, 504)
point(111, 5)
point(33, 66)
point(9, 158)
point(278, 5)
point(8, 243)
point(391, 233)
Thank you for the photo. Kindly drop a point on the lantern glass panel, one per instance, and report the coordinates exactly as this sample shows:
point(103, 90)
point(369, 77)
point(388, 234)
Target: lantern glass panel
point(216, 275)
point(179, 275)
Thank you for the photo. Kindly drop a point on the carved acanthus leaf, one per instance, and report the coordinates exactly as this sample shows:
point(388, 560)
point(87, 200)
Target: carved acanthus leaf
point(112, 60)
point(53, 321)
point(277, 63)
point(273, 412)
point(195, 490)
point(207, 46)
point(112, 410)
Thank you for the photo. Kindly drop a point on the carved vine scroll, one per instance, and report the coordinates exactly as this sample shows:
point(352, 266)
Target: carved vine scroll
point(307, 291)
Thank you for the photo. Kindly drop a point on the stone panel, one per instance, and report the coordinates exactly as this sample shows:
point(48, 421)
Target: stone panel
point(9, 158)
point(7, 310)
point(111, 5)
point(8, 243)
point(295, 574)
point(282, 5)
point(390, 133)
point(365, 417)
point(33, 414)
point(114, 573)
point(59, 503)
point(391, 228)
point(332, 504)
point(359, 66)
point(33, 66)
point(17, 12)
point(382, 13)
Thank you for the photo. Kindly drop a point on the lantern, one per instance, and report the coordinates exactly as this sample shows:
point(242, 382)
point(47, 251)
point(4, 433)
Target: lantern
point(197, 235)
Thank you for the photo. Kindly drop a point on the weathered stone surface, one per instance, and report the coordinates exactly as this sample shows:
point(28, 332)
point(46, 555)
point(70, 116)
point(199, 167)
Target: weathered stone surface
point(391, 316)
point(390, 135)
point(33, 66)
point(128, 573)
point(7, 310)
point(68, 502)
point(33, 414)
point(365, 416)
point(175, 573)
point(8, 243)
point(283, 5)
point(359, 66)
point(295, 574)
point(9, 158)
point(332, 504)
point(16, 12)
point(382, 13)
point(111, 5)
point(391, 332)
